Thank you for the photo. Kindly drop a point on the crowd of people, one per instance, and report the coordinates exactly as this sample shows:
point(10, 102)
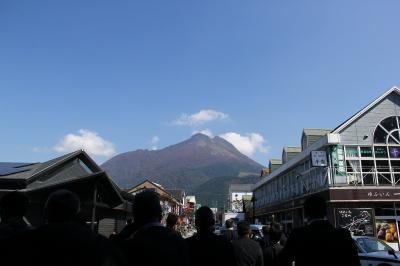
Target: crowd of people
point(65, 240)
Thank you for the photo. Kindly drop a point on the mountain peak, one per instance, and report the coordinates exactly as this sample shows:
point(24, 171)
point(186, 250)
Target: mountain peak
point(185, 165)
point(200, 136)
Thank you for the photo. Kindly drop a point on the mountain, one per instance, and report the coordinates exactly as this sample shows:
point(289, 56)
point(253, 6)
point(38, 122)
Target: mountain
point(189, 165)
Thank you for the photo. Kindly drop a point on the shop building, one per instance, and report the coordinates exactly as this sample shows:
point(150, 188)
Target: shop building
point(104, 206)
point(355, 167)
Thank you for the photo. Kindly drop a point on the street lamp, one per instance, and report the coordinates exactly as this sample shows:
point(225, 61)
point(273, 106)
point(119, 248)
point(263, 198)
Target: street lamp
point(253, 200)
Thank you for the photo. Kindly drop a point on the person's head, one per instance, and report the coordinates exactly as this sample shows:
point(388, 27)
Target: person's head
point(243, 229)
point(147, 208)
point(275, 232)
point(204, 219)
point(62, 206)
point(315, 207)
point(172, 220)
point(13, 205)
point(230, 223)
point(265, 229)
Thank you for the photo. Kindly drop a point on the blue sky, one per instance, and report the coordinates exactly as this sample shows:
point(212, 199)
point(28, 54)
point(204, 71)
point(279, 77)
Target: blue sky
point(120, 75)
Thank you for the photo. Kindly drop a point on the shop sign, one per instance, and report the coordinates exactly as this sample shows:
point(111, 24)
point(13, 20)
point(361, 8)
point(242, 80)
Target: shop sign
point(337, 157)
point(380, 152)
point(394, 152)
point(359, 221)
point(319, 159)
point(365, 194)
point(366, 151)
point(379, 194)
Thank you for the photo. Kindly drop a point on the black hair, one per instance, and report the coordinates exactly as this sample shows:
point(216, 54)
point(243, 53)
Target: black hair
point(275, 232)
point(14, 204)
point(62, 206)
point(204, 218)
point(146, 207)
point(315, 207)
point(172, 220)
point(229, 223)
point(243, 228)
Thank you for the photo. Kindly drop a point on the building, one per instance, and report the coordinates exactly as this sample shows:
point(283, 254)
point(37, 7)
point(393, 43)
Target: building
point(101, 199)
point(180, 196)
point(355, 167)
point(236, 194)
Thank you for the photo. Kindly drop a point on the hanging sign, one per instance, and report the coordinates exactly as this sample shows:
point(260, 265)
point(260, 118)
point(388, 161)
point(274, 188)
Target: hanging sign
point(319, 159)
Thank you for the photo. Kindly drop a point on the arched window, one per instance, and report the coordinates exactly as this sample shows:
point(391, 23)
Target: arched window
point(387, 131)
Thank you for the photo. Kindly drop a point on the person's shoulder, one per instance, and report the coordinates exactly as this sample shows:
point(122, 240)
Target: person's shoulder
point(342, 232)
point(299, 231)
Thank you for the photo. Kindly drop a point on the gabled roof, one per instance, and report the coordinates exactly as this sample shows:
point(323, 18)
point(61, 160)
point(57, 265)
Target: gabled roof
point(36, 169)
point(292, 149)
point(364, 110)
point(316, 131)
point(137, 188)
point(49, 175)
point(275, 161)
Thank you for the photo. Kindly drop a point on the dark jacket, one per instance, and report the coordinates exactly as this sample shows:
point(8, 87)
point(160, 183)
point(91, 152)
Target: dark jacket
point(271, 252)
point(247, 252)
point(231, 235)
point(319, 243)
point(13, 227)
point(64, 244)
point(156, 246)
point(208, 249)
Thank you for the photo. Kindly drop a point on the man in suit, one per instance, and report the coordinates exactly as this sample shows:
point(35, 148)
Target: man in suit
point(206, 248)
point(247, 251)
point(230, 233)
point(318, 243)
point(152, 244)
point(275, 246)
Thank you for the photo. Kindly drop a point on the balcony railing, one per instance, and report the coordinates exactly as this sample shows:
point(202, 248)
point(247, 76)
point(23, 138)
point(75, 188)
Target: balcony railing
point(318, 179)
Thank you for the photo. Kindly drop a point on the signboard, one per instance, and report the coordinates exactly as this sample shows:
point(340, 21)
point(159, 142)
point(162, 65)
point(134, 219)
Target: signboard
point(358, 221)
point(337, 157)
point(319, 159)
point(370, 194)
point(387, 230)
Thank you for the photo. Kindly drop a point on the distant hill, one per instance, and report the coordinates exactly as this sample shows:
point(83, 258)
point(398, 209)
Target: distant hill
point(196, 165)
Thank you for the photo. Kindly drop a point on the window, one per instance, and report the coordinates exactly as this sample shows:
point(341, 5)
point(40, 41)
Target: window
point(387, 131)
point(353, 166)
point(367, 166)
point(395, 165)
point(372, 245)
point(380, 135)
point(382, 166)
point(389, 123)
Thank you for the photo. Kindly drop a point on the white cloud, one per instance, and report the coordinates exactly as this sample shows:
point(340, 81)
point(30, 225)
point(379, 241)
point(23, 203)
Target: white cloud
point(200, 118)
point(206, 132)
point(153, 142)
point(90, 141)
point(247, 144)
